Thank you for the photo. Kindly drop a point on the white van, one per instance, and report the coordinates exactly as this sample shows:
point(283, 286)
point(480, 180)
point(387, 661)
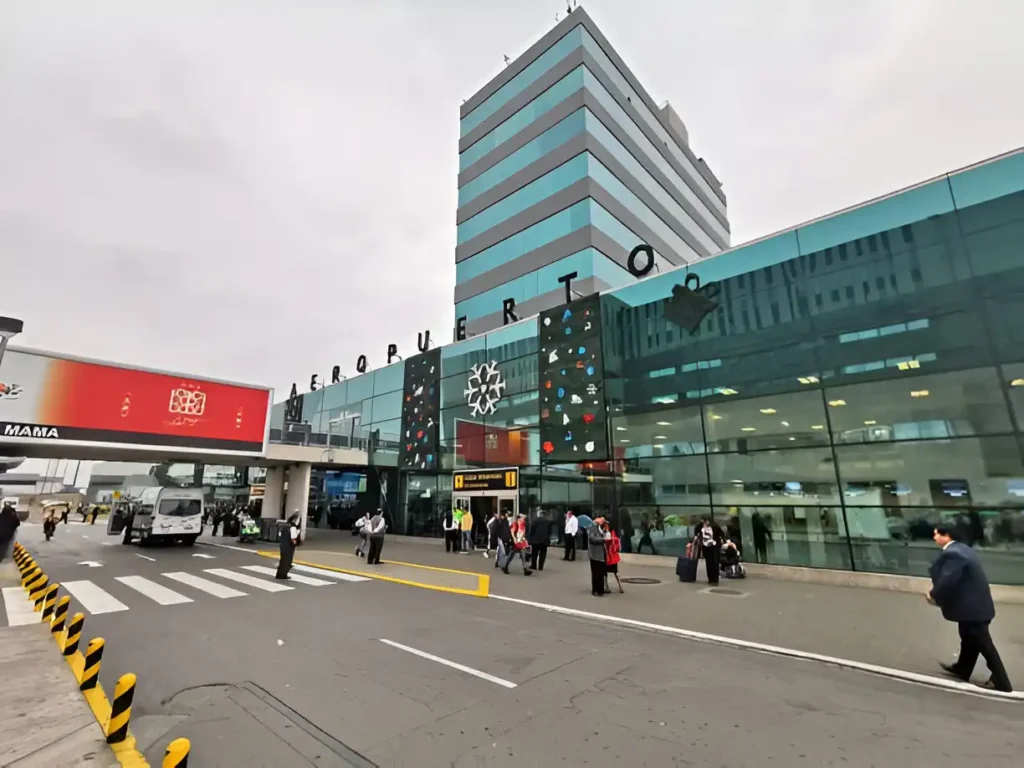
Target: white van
point(167, 514)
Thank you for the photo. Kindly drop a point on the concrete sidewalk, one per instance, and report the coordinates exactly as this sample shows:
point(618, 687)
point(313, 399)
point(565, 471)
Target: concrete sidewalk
point(44, 719)
point(872, 626)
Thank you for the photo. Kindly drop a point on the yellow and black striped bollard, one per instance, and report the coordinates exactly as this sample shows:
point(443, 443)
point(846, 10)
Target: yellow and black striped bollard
point(49, 601)
point(176, 755)
point(121, 709)
point(91, 669)
point(37, 592)
point(30, 575)
point(73, 634)
point(60, 615)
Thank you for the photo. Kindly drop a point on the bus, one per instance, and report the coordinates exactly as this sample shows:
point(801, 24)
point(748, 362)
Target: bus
point(165, 514)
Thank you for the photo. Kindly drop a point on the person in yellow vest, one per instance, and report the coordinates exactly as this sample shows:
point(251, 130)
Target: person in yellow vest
point(466, 526)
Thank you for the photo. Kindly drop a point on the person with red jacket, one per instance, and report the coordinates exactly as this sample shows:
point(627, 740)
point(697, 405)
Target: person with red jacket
point(612, 547)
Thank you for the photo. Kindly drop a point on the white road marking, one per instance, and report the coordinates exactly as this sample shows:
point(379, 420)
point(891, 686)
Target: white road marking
point(247, 550)
point(204, 585)
point(294, 577)
point(205, 557)
point(452, 664)
point(703, 637)
point(19, 609)
point(151, 559)
point(252, 581)
point(158, 593)
point(329, 574)
point(84, 536)
point(93, 598)
point(91, 563)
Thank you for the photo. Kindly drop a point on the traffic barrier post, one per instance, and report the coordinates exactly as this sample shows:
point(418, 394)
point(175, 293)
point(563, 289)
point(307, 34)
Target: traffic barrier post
point(31, 575)
point(176, 755)
point(49, 601)
point(91, 668)
point(60, 614)
point(36, 592)
point(73, 634)
point(121, 709)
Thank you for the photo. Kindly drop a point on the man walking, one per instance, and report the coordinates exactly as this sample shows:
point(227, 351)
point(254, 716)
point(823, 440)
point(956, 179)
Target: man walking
point(539, 537)
point(572, 527)
point(450, 531)
point(961, 590)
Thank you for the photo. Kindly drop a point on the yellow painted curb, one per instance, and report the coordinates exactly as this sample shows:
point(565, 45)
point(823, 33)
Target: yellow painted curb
point(483, 587)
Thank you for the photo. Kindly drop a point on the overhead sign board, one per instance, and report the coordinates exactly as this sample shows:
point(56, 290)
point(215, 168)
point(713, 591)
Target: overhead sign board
point(486, 480)
point(47, 399)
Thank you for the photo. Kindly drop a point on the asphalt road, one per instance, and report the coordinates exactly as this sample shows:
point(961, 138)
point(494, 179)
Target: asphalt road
point(303, 677)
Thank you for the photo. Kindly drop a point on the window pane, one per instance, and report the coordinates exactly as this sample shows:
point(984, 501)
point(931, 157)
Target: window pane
point(670, 432)
point(951, 404)
point(941, 476)
point(389, 379)
point(774, 421)
point(799, 477)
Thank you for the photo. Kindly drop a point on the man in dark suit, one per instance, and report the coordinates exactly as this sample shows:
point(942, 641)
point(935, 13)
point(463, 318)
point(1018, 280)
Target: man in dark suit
point(960, 589)
point(539, 537)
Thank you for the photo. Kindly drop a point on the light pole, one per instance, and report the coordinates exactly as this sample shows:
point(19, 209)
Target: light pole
point(9, 328)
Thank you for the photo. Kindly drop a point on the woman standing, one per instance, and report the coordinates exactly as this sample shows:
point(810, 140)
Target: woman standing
point(596, 552)
point(289, 540)
point(612, 545)
point(709, 538)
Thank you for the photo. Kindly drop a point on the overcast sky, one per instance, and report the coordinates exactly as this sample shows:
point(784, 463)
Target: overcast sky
point(259, 190)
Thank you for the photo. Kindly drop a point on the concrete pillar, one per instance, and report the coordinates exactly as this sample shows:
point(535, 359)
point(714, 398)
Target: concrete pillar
point(298, 493)
point(273, 493)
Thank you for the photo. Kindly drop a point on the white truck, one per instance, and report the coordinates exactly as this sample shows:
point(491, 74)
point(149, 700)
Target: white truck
point(165, 514)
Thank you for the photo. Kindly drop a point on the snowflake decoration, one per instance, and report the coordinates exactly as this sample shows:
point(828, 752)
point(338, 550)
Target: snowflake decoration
point(484, 388)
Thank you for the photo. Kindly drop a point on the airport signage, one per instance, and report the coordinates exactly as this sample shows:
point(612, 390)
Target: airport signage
point(486, 480)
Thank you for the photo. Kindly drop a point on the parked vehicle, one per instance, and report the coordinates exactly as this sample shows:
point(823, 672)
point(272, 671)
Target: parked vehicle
point(166, 514)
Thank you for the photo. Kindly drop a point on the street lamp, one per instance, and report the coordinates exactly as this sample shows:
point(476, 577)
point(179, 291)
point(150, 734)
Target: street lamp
point(9, 328)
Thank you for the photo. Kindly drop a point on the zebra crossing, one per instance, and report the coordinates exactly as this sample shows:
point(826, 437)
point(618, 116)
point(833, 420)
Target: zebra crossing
point(174, 588)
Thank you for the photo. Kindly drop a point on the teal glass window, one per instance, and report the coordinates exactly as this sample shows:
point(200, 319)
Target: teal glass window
point(541, 233)
point(598, 130)
point(504, 131)
point(537, 190)
point(553, 137)
point(638, 208)
point(650, 118)
point(390, 378)
point(387, 407)
point(622, 234)
point(572, 40)
point(625, 122)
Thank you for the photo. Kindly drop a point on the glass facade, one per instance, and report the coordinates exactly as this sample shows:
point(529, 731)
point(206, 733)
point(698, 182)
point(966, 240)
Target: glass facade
point(847, 384)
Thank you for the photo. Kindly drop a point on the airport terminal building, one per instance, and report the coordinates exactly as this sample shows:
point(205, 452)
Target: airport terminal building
point(827, 393)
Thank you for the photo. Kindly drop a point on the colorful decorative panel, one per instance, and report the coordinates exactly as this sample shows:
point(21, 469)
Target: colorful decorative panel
point(573, 421)
point(421, 411)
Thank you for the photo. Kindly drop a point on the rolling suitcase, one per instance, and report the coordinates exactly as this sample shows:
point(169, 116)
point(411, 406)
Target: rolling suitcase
point(686, 569)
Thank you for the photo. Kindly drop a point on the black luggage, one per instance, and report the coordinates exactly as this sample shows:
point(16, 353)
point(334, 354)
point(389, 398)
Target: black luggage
point(686, 569)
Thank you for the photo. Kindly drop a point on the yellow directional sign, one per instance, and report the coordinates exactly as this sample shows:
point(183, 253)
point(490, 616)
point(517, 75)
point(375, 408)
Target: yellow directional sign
point(486, 480)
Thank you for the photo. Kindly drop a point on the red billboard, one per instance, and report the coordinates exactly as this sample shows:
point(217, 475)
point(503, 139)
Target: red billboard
point(49, 399)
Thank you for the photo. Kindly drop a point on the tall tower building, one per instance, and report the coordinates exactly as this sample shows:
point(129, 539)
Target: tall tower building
point(565, 165)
